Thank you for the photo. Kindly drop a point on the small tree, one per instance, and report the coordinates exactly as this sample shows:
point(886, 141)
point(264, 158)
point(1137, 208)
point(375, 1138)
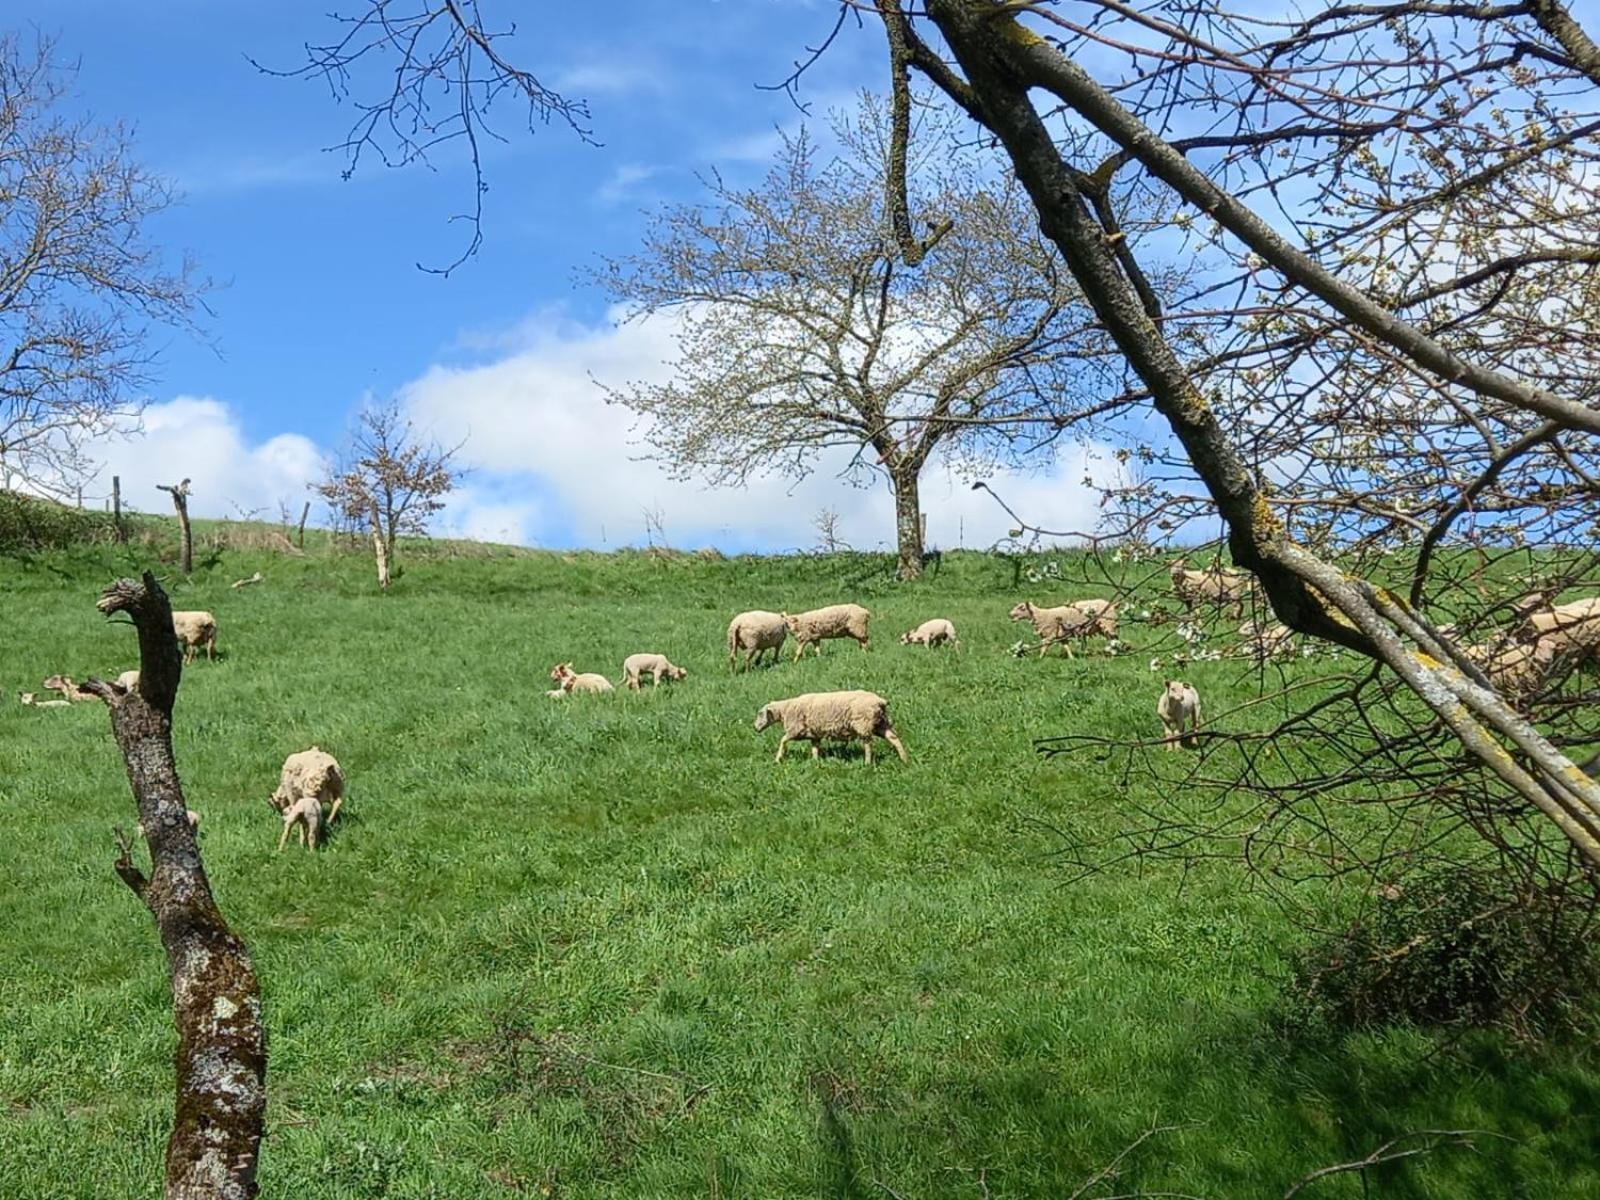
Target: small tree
point(389, 481)
point(806, 323)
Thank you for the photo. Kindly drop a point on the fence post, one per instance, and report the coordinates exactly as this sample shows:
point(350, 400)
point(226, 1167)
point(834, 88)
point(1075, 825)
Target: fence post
point(116, 508)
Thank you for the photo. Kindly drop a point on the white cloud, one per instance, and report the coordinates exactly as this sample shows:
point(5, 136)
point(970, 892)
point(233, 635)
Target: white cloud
point(633, 76)
point(548, 452)
point(625, 181)
point(200, 438)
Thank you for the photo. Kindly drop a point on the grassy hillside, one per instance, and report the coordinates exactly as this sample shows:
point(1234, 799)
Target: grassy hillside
point(607, 948)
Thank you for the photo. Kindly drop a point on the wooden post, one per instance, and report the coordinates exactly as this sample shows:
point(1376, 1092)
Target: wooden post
point(80, 497)
point(379, 550)
point(116, 508)
point(300, 536)
point(180, 501)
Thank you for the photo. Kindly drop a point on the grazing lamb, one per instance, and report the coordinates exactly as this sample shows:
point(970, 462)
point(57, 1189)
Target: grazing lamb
point(312, 774)
point(1262, 642)
point(1221, 586)
point(932, 633)
point(304, 816)
point(755, 633)
point(572, 681)
point(31, 701)
point(656, 665)
point(69, 690)
point(831, 716)
point(1057, 625)
point(196, 631)
point(836, 621)
point(1179, 710)
point(128, 680)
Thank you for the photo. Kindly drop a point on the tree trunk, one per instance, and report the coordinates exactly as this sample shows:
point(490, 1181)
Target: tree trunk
point(300, 534)
point(180, 501)
point(908, 523)
point(216, 1002)
point(380, 548)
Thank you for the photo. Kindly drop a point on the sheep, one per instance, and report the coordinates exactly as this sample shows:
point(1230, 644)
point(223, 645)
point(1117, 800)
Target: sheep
point(306, 814)
point(836, 621)
point(1056, 625)
point(1220, 586)
point(572, 681)
point(128, 680)
point(312, 773)
point(32, 701)
point(1179, 710)
point(832, 716)
point(1516, 670)
point(656, 665)
point(1576, 624)
point(69, 690)
point(1262, 642)
point(196, 630)
point(932, 633)
point(755, 633)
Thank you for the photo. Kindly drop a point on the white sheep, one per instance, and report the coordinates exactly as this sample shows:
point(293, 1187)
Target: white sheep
point(755, 632)
point(936, 632)
point(1222, 586)
point(656, 665)
point(1056, 625)
point(1573, 626)
point(831, 716)
point(571, 681)
point(32, 701)
point(304, 816)
point(69, 691)
point(196, 631)
point(1262, 642)
point(313, 774)
point(1179, 710)
point(835, 621)
point(128, 680)
point(1516, 670)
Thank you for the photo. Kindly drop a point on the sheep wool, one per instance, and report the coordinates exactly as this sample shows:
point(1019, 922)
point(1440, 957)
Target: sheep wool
point(831, 716)
point(836, 621)
point(754, 633)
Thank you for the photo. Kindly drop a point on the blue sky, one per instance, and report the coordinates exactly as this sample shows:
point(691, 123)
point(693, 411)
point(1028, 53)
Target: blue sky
point(320, 303)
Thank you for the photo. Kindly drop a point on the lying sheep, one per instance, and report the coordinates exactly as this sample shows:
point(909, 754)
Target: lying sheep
point(196, 631)
point(836, 621)
point(69, 691)
point(1573, 626)
point(936, 632)
point(831, 716)
point(755, 633)
point(571, 681)
point(1055, 626)
point(1264, 642)
point(1179, 710)
point(656, 665)
point(312, 774)
point(32, 701)
point(304, 816)
point(1221, 586)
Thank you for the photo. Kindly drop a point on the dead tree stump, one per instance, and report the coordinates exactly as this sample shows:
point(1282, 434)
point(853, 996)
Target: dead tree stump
point(180, 501)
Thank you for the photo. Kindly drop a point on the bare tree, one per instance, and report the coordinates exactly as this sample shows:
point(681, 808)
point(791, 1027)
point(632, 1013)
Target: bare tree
point(180, 502)
point(803, 323)
point(222, 1054)
point(389, 482)
point(80, 286)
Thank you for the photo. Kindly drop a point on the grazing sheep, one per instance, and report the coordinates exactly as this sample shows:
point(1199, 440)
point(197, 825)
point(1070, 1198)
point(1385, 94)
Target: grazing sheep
point(1179, 710)
point(196, 630)
point(755, 633)
point(572, 681)
point(1262, 642)
point(69, 690)
point(304, 816)
point(936, 632)
point(656, 665)
point(312, 773)
point(128, 680)
point(1056, 625)
point(1104, 614)
point(189, 813)
point(831, 716)
point(836, 621)
point(1221, 586)
point(29, 699)
point(1576, 624)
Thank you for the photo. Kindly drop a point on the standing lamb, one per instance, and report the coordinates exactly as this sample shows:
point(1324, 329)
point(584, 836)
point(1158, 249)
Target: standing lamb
point(304, 816)
point(195, 630)
point(832, 716)
point(1179, 710)
point(313, 774)
point(572, 681)
point(936, 632)
point(755, 632)
point(836, 621)
point(656, 665)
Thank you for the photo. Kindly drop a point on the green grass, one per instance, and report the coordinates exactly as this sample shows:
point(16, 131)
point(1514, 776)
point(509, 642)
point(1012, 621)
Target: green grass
point(607, 948)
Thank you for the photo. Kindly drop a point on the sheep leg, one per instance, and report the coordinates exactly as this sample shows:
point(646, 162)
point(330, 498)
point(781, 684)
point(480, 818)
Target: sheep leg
point(334, 811)
point(866, 643)
point(816, 751)
point(783, 745)
point(211, 650)
point(284, 836)
point(890, 736)
point(866, 745)
point(1168, 733)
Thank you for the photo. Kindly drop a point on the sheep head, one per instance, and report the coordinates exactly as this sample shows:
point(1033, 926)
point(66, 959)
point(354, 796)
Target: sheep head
point(765, 718)
point(1023, 611)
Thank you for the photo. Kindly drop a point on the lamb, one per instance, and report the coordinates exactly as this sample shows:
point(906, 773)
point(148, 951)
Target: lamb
point(1056, 625)
point(836, 621)
point(755, 633)
point(69, 690)
point(572, 681)
point(656, 665)
point(1179, 710)
point(831, 716)
point(1220, 586)
point(312, 774)
point(32, 701)
point(304, 816)
point(932, 633)
point(196, 630)
point(128, 680)
point(1264, 642)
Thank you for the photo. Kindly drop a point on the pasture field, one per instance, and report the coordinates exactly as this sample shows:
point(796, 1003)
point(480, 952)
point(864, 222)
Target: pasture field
point(605, 947)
